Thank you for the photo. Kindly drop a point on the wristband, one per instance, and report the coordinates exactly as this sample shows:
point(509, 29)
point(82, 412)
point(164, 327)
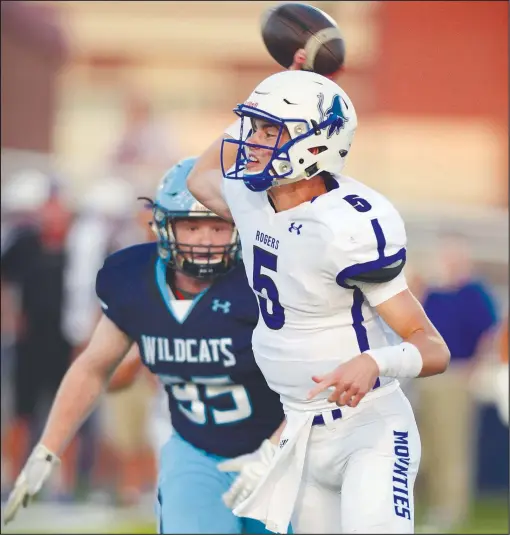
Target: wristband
point(404, 360)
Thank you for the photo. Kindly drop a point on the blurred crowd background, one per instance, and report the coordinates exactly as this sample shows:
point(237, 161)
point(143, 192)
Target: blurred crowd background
point(100, 98)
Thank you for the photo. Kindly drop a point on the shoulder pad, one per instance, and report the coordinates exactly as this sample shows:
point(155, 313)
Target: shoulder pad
point(130, 254)
point(119, 267)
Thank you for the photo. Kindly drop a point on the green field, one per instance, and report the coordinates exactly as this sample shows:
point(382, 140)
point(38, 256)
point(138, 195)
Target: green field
point(488, 515)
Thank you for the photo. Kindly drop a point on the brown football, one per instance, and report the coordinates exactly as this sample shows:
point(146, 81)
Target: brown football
point(290, 26)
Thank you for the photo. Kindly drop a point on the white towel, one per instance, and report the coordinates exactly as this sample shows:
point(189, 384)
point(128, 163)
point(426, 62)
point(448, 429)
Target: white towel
point(272, 501)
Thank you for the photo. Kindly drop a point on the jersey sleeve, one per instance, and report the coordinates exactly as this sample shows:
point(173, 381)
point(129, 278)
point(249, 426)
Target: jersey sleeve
point(379, 292)
point(370, 254)
point(109, 293)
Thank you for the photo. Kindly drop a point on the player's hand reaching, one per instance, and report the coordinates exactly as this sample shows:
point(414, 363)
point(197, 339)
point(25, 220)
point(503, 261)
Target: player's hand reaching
point(299, 60)
point(251, 468)
point(350, 381)
point(35, 473)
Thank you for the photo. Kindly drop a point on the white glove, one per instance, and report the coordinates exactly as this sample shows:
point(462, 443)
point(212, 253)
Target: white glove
point(35, 472)
point(252, 466)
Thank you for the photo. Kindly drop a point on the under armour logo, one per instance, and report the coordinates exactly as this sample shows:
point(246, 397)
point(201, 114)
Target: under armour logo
point(218, 305)
point(295, 227)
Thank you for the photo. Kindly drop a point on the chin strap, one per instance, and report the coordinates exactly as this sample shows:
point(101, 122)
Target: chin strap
point(284, 181)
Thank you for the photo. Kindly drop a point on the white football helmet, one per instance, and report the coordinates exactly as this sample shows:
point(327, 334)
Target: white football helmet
point(321, 121)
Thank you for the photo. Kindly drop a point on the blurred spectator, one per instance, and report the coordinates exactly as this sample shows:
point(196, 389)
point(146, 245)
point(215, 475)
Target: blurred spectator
point(501, 374)
point(415, 279)
point(146, 148)
point(103, 225)
point(463, 311)
point(109, 220)
point(22, 195)
point(33, 265)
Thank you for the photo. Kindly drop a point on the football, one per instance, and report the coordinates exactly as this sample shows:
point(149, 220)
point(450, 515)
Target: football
point(290, 26)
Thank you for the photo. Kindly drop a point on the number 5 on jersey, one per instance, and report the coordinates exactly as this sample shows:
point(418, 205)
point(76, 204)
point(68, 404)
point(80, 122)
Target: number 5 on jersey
point(272, 311)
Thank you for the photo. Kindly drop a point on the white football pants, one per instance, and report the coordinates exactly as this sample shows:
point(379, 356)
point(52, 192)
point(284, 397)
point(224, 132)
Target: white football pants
point(360, 470)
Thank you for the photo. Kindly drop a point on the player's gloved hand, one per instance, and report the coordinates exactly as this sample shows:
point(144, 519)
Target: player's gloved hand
point(34, 474)
point(251, 468)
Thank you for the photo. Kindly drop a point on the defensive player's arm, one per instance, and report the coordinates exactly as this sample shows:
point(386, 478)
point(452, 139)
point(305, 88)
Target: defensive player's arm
point(206, 177)
point(127, 371)
point(77, 395)
point(84, 383)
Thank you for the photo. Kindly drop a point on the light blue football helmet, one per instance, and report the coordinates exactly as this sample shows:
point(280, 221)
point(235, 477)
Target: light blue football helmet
point(174, 201)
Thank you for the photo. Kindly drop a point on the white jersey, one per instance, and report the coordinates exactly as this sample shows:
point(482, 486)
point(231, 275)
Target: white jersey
point(298, 262)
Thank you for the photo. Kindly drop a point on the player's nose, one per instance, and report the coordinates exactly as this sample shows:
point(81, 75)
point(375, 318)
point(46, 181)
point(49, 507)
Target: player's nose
point(253, 137)
point(205, 236)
